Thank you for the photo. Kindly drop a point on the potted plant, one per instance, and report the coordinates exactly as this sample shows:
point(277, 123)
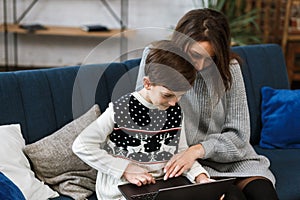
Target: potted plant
point(243, 25)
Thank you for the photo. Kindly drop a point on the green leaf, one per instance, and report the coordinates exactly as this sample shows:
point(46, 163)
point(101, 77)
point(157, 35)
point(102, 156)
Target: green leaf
point(243, 26)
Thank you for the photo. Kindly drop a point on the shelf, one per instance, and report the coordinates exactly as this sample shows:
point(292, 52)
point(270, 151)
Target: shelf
point(294, 34)
point(122, 33)
point(62, 31)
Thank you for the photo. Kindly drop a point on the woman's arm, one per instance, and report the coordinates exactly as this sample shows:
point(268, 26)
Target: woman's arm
point(228, 145)
point(231, 143)
point(185, 161)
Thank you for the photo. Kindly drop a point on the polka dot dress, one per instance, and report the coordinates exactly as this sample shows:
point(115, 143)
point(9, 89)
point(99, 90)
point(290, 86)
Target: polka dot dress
point(143, 134)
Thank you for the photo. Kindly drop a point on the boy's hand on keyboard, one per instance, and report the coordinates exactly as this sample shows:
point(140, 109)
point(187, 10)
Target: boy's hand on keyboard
point(137, 175)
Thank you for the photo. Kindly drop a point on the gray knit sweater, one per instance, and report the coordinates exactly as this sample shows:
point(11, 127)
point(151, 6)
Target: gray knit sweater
point(221, 125)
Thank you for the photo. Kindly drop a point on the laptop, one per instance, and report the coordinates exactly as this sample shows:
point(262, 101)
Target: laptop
point(177, 189)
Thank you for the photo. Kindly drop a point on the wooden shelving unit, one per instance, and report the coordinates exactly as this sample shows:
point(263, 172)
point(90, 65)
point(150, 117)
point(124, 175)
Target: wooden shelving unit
point(14, 28)
point(293, 34)
point(291, 42)
point(62, 31)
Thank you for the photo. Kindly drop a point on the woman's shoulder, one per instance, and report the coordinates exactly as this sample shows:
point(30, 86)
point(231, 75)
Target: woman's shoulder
point(234, 66)
point(234, 62)
point(236, 73)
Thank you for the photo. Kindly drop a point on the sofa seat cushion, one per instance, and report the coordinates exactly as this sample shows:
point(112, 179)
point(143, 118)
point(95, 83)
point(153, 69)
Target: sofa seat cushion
point(285, 166)
point(63, 197)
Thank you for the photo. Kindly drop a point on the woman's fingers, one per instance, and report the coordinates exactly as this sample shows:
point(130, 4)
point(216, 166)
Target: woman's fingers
point(170, 163)
point(169, 171)
point(180, 172)
point(222, 197)
point(179, 169)
point(174, 171)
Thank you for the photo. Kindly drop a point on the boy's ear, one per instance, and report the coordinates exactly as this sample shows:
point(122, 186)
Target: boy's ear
point(146, 82)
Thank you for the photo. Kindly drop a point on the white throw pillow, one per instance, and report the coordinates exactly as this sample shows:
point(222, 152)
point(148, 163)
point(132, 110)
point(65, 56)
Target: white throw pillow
point(14, 164)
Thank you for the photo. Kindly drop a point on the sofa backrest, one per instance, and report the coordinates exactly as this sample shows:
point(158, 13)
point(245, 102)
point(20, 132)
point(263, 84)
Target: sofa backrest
point(44, 100)
point(262, 65)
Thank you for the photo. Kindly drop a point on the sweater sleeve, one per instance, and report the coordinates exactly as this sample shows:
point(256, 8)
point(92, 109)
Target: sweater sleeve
point(196, 168)
point(231, 143)
point(141, 74)
point(87, 146)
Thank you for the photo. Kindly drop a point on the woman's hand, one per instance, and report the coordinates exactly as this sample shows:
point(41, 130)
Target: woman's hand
point(183, 161)
point(137, 175)
point(202, 178)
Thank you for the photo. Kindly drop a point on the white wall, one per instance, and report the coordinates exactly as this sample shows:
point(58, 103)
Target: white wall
point(151, 20)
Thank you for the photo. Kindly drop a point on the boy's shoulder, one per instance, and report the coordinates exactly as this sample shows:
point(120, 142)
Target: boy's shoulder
point(123, 98)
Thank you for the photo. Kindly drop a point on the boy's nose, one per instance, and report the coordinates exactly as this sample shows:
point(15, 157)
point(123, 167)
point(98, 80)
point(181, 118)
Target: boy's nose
point(173, 101)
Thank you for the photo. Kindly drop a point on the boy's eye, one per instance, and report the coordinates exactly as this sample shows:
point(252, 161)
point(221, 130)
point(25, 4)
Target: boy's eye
point(167, 95)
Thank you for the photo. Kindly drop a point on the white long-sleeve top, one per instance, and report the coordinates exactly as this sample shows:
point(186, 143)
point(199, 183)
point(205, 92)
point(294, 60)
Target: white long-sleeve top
point(96, 147)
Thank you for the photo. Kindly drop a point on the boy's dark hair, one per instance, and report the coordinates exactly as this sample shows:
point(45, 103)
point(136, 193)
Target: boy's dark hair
point(167, 65)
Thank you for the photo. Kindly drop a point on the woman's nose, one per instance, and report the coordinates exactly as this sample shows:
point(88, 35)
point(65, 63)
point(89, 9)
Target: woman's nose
point(199, 64)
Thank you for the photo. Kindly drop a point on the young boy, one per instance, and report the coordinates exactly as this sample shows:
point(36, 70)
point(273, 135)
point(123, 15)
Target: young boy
point(137, 134)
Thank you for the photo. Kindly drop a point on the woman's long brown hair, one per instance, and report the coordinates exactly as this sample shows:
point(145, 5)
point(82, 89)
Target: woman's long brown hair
point(212, 26)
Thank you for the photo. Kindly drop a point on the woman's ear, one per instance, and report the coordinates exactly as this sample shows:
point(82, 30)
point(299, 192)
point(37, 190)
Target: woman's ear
point(146, 82)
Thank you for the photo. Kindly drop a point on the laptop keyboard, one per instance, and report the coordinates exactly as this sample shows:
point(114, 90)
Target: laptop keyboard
point(145, 196)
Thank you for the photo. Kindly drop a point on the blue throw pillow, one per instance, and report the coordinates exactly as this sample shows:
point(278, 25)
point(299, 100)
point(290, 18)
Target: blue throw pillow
point(280, 112)
point(8, 190)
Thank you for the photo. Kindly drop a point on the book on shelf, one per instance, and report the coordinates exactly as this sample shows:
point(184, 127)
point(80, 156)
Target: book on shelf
point(94, 27)
point(32, 27)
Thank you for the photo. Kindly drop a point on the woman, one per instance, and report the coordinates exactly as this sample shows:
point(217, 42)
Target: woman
point(217, 118)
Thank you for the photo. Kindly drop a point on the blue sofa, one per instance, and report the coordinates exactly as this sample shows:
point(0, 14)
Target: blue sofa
point(42, 101)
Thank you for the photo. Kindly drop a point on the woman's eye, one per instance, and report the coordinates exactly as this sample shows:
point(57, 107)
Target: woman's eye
point(196, 56)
